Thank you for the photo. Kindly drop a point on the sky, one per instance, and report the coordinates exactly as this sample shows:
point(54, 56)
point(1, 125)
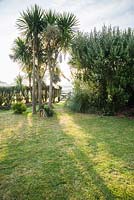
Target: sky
point(90, 13)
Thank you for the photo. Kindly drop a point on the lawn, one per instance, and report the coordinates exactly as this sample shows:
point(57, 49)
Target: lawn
point(68, 157)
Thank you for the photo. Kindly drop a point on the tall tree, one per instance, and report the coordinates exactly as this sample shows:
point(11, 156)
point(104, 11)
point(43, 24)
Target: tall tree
point(58, 35)
point(22, 54)
point(40, 68)
point(19, 82)
point(104, 62)
point(31, 24)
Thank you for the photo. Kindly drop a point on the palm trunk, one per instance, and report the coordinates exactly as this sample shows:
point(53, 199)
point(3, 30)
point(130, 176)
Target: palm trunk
point(40, 93)
point(51, 80)
point(50, 87)
point(33, 87)
point(30, 88)
point(39, 82)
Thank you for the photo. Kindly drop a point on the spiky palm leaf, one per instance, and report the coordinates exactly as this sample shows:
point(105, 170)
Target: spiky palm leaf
point(20, 51)
point(50, 17)
point(31, 22)
point(67, 24)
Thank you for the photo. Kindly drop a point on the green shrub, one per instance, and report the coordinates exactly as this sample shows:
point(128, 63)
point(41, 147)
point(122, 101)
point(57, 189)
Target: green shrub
point(49, 111)
point(19, 107)
point(78, 102)
point(84, 99)
point(104, 60)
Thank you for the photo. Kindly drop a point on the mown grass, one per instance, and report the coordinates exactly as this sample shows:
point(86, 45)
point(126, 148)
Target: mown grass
point(70, 156)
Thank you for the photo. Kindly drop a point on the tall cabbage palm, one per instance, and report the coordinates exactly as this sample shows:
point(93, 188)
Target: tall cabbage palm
point(19, 83)
point(31, 24)
point(58, 35)
point(21, 53)
point(40, 70)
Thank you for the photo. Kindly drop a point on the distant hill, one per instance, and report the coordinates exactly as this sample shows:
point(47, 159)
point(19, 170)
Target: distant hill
point(3, 84)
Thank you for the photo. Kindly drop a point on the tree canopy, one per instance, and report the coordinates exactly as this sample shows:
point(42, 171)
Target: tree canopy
point(104, 62)
point(44, 36)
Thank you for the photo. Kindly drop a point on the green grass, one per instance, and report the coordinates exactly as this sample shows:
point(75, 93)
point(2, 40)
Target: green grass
point(70, 156)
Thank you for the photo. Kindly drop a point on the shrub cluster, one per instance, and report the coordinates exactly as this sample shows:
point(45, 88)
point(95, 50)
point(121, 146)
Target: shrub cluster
point(49, 111)
point(19, 107)
point(104, 61)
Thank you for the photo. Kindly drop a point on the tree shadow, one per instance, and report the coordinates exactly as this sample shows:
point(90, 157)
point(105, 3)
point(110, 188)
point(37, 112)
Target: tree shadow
point(104, 139)
point(44, 161)
point(114, 134)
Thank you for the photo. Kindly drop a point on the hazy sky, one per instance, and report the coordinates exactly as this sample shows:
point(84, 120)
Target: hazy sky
point(91, 13)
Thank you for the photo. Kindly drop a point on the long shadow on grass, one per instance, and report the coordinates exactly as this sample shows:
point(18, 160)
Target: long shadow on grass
point(110, 141)
point(115, 135)
point(45, 162)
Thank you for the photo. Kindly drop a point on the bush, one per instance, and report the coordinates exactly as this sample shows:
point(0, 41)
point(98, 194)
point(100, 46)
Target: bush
point(81, 102)
point(84, 99)
point(104, 59)
point(19, 108)
point(78, 102)
point(49, 111)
